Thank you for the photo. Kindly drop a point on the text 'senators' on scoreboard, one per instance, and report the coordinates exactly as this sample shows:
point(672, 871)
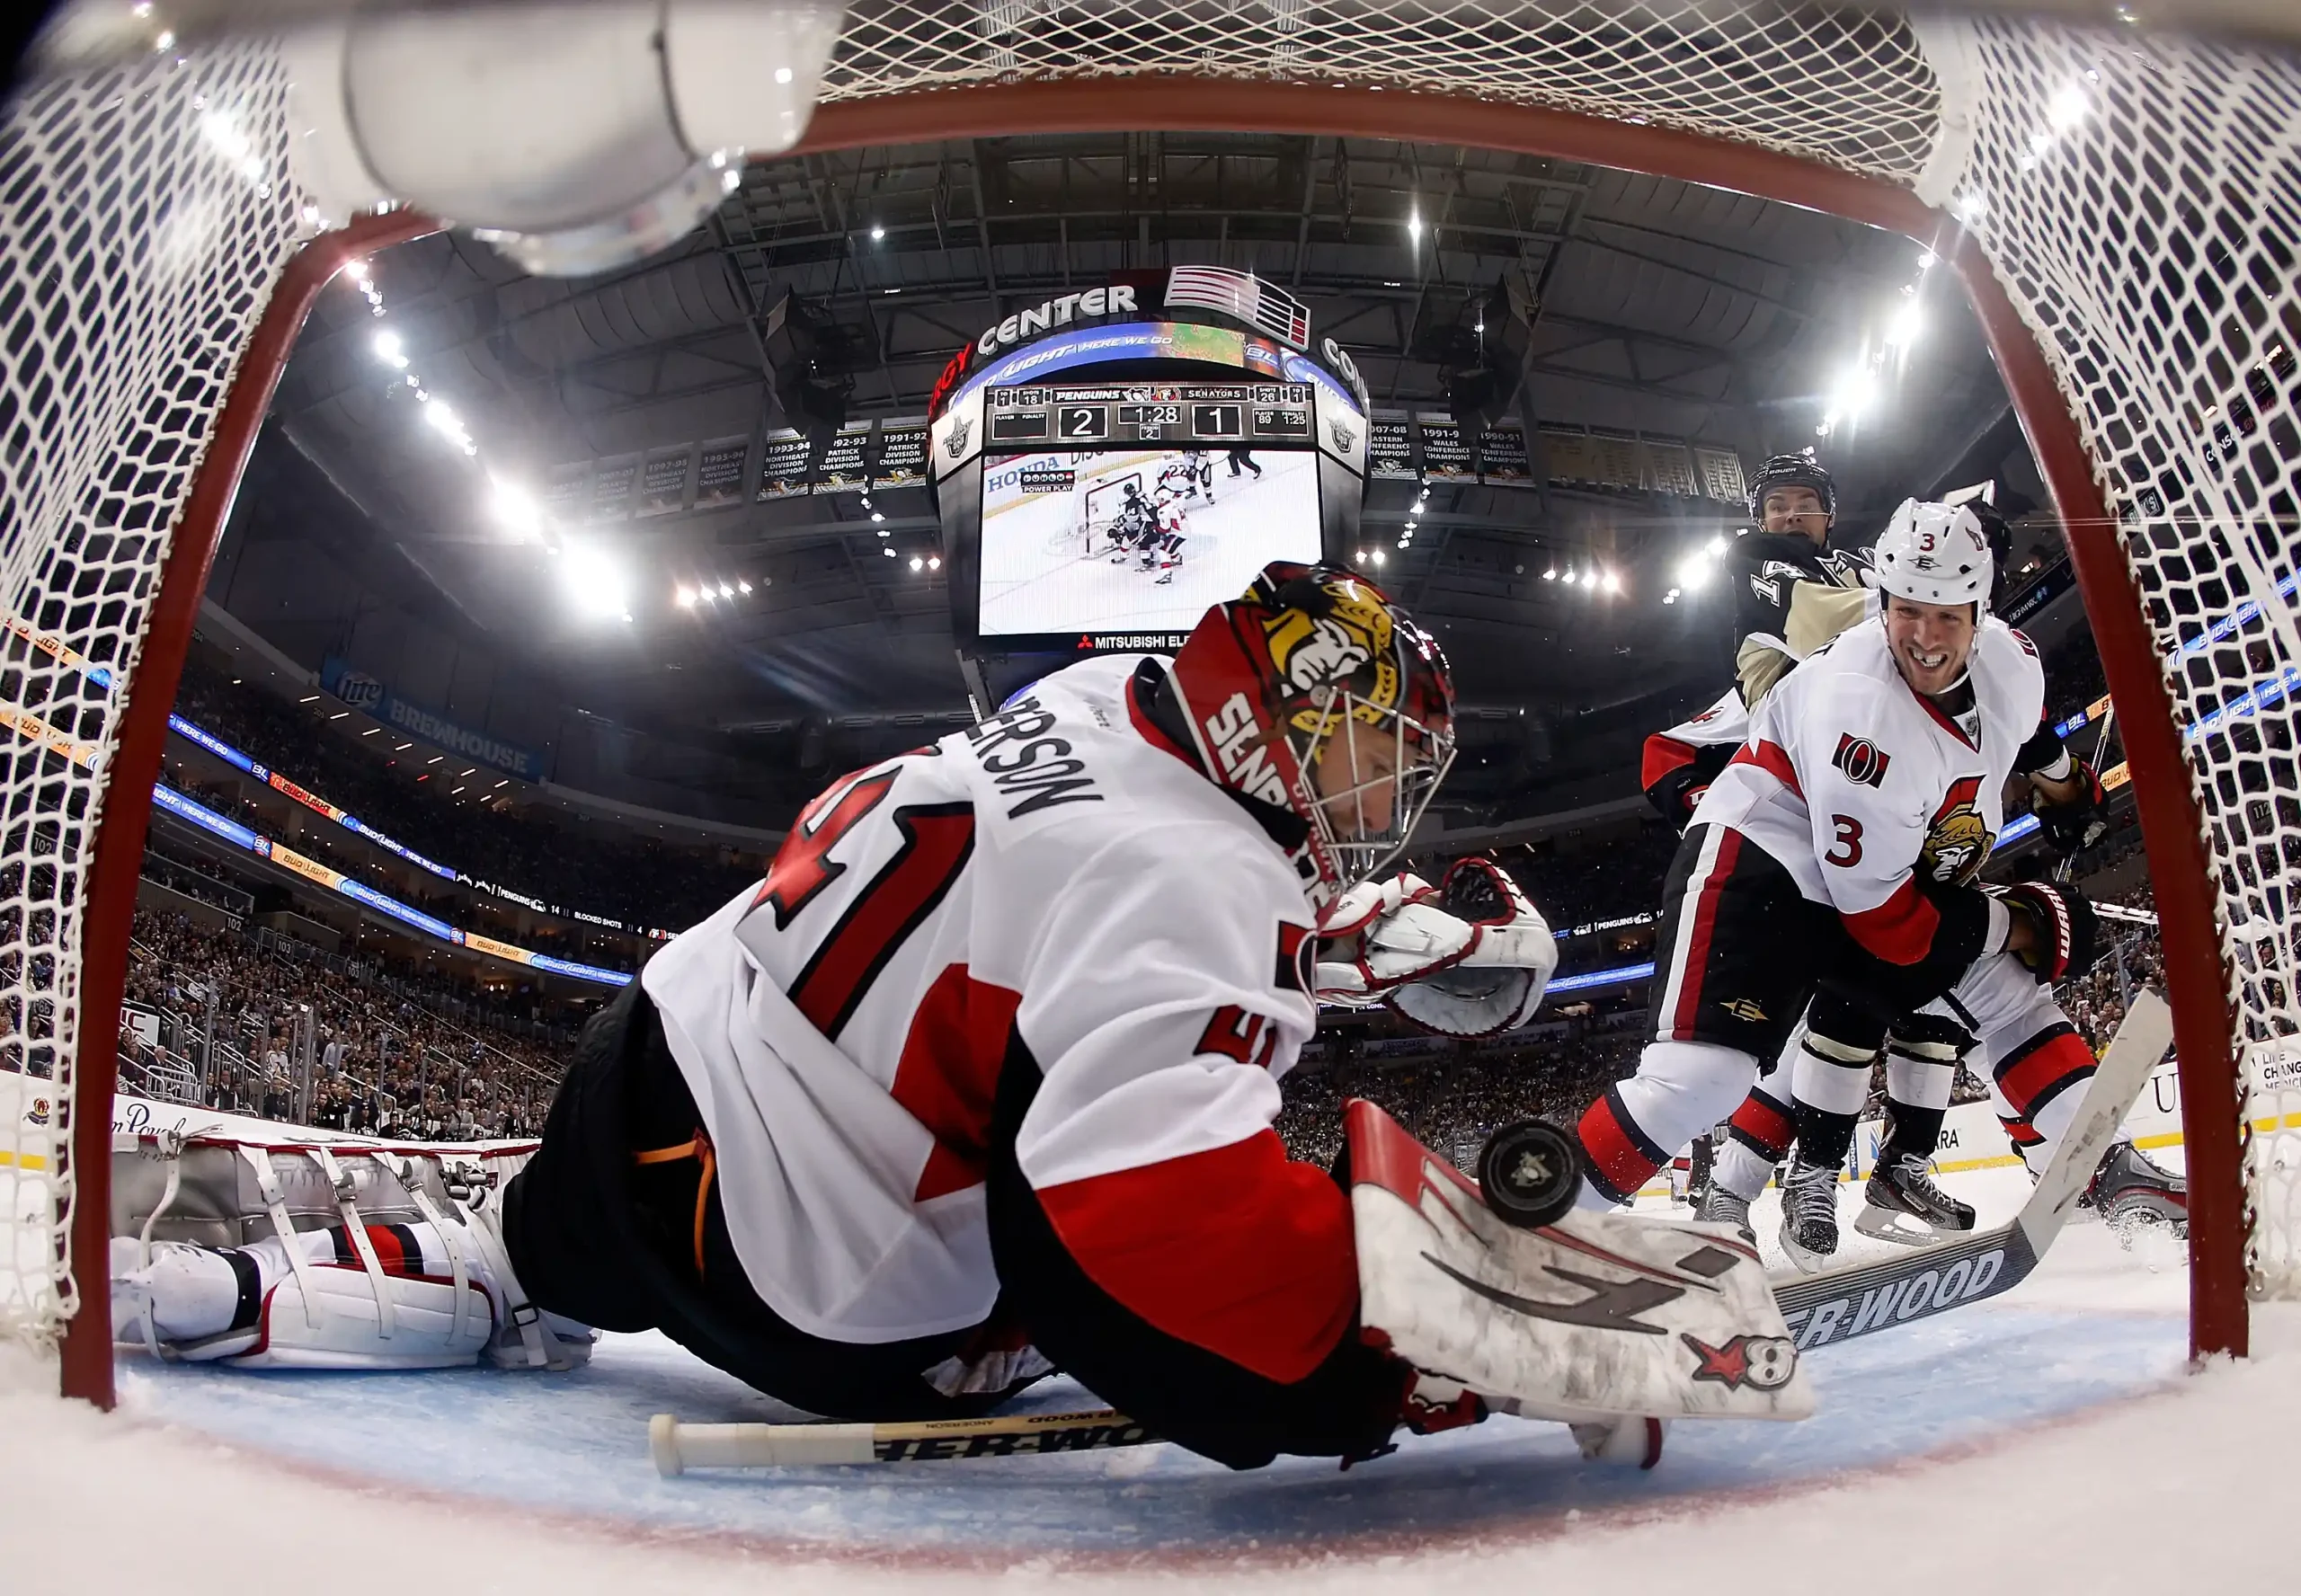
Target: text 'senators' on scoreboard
point(1216, 413)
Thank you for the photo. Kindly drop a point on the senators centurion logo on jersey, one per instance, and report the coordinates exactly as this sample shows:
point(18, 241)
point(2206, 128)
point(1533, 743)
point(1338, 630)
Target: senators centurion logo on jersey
point(1861, 760)
point(1957, 840)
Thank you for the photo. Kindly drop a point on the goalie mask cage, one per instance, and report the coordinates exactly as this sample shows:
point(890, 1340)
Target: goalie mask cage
point(2123, 207)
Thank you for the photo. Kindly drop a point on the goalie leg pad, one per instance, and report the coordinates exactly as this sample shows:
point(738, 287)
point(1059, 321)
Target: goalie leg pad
point(430, 1327)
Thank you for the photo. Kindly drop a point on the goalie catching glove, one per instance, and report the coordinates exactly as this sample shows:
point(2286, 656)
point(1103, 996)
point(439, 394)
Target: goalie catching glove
point(1468, 958)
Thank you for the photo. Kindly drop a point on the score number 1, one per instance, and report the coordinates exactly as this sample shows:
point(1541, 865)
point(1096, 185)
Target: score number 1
point(1086, 421)
point(1217, 420)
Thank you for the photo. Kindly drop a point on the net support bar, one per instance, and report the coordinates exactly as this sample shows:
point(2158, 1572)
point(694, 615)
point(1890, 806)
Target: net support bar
point(109, 912)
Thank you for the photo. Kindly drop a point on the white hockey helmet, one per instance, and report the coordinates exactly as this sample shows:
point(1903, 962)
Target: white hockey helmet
point(1934, 553)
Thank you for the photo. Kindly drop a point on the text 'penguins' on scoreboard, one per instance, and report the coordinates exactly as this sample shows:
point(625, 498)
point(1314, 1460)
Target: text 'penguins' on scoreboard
point(1217, 413)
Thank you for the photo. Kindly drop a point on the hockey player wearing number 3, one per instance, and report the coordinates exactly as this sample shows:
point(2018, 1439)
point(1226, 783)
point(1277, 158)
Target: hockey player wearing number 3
point(979, 1081)
point(1848, 828)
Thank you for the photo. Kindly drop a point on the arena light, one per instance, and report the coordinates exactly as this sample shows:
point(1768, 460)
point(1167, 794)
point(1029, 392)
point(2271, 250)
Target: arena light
point(1611, 582)
point(742, 587)
point(686, 598)
point(595, 582)
point(2067, 108)
point(516, 509)
point(726, 591)
point(1379, 556)
point(388, 351)
point(878, 234)
point(934, 561)
point(917, 563)
point(1414, 223)
point(1907, 325)
point(1550, 573)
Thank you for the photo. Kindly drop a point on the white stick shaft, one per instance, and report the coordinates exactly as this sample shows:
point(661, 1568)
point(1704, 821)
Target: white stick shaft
point(678, 1446)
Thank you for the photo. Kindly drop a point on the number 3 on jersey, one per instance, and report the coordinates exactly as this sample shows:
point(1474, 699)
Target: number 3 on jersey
point(1848, 852)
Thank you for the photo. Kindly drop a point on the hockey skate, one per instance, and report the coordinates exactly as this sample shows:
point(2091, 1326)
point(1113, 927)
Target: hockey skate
point(1902, 1203)
point(1720, 1206)
point(2132, 1193)
point(1809, 1215)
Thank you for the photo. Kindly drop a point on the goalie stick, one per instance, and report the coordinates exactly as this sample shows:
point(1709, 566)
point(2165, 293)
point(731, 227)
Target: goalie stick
point(678, 1446)
point(1827, 1309)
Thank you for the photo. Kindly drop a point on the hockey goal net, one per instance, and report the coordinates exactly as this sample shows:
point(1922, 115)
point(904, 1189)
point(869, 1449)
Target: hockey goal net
point(2125, 208)
point(1100, 506)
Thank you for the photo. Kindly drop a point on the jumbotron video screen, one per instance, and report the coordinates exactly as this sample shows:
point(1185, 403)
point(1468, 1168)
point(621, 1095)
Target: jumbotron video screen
point(1136, 539)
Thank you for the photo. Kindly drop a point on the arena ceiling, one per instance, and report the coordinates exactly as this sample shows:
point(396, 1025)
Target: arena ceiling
point(1662, 308)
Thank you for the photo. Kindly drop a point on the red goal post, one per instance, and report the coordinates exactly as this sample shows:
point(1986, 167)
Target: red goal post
point(2126, 271)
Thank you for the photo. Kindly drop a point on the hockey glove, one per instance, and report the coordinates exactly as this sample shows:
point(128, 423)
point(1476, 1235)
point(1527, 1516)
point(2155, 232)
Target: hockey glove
point(2065, 931)
point(2074, 827)
point(1497, 982)
point(1382, 934)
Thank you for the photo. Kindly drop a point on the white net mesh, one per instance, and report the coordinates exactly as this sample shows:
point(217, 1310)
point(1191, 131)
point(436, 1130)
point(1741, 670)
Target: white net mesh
point(2141, 201)
point(144, 218)
point(1846, 87)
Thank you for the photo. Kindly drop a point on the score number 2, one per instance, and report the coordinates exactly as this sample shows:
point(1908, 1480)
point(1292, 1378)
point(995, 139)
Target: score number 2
point(1086, 421)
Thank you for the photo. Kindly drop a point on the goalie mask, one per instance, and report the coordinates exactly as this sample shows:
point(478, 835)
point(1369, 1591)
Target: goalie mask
point(1314, 693)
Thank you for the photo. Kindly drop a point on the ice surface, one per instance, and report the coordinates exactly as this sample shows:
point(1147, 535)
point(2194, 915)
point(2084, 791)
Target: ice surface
point(2029, 1443)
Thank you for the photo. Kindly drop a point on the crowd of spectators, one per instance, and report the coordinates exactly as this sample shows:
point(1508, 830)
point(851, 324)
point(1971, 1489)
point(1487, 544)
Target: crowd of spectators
point(534, 851)
point(1452, 1104)
point(270, 1027)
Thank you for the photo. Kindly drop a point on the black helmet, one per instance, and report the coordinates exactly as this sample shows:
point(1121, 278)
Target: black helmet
point(1792, 471)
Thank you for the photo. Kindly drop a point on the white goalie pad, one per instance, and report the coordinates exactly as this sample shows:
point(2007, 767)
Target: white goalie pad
point(338, 1324)
point(1597, 1318)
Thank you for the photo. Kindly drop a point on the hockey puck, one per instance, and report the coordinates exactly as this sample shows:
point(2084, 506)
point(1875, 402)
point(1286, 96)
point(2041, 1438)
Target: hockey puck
point(1529, 1173)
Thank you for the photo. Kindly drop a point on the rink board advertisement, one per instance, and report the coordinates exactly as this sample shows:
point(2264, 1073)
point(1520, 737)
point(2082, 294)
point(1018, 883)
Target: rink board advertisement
point(1127, 548)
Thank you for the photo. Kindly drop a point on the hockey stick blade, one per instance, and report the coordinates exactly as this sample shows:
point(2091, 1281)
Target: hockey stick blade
point(1825, 1310)
point(678, 1446)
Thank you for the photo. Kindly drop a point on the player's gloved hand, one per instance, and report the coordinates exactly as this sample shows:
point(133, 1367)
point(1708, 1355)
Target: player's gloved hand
point(2065, 934)
point(1496, 983)
point(1422, 1401)
point(2074, 827)
point(1383, 933)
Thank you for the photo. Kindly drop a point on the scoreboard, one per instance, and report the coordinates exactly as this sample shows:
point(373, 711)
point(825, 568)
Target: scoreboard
point(1228, 414)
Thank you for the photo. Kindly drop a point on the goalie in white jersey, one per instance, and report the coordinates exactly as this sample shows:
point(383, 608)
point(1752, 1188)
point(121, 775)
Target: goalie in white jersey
point(996, 1044)
point(1836, 851)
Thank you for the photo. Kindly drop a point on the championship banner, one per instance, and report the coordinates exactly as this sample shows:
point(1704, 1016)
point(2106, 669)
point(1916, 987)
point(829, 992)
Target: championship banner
point(563, 489)
point(1567, 459)
point(1502, 460)
point(783, 466)
point(1720, 471)
point(719, 472)
point(1443, 452)
point(1668, 466)
point(1390, 453)
point(611, 491)
point(662, 482)
point(901, 461)
point(842, 469)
